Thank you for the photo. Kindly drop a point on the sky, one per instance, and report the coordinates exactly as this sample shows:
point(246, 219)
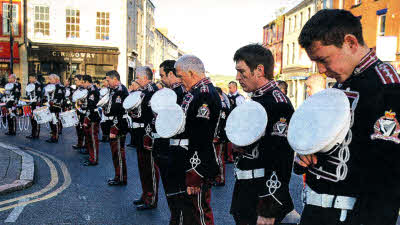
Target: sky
point(214, 29)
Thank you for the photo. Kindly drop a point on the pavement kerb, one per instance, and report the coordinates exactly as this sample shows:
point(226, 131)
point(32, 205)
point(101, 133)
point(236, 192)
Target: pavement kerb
point(27, 171)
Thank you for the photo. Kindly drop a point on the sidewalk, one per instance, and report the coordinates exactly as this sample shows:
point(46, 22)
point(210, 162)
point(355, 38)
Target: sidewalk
point(16, 169)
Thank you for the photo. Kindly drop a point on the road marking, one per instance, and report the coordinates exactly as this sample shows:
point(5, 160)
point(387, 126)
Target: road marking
point(51, 185)
point(65, 185)
point(16, 212)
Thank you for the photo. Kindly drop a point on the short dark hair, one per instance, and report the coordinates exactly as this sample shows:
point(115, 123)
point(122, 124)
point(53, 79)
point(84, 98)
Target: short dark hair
point(283, 85)
point(168, 66)
point(112, 74)
point(254, 55)
point(330, 26)
point(32, 75)
point(233, 82)
point(87, 78)
point(79, 76)
point(219, 90)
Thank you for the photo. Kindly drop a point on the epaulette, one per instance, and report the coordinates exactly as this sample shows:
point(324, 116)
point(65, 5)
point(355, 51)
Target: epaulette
point(387, 73)
point(279, 96)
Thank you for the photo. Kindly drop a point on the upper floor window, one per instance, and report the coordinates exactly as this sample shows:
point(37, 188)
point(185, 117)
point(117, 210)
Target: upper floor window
point(6, 27)
point(103, 26)
point(42, 25)
point(72, 23)
point(381, 25)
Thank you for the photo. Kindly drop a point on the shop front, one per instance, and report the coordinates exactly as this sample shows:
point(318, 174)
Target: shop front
point(5, 58)
point(69, 60)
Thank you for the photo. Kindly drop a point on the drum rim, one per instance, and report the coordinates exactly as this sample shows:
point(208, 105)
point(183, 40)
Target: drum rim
point(30, 87)
point(157, 97)
point(9, 85)
point(50, 86)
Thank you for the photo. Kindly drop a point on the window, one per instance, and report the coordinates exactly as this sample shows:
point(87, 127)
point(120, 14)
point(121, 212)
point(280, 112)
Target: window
point(381, 25)
point(42, 25)
point(301, 19)
point(72, 22)
point(103, 26)
point(6, 29)
point(288, 54)
point(293, 52)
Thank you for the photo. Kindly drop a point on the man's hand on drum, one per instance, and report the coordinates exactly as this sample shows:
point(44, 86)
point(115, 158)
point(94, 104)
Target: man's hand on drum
point(305, 160)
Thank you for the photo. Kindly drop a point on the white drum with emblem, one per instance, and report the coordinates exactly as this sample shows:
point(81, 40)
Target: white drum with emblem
point(67, 93)
point(42, 115)
point(69, 118)
point(133, 100)
point(103, 92)
point(321, 122)
point(79, 94)
point(246, 124)
point(170, 121)
point(9, 86)
point(162, 98)
point(30, 87)
point(103, 100)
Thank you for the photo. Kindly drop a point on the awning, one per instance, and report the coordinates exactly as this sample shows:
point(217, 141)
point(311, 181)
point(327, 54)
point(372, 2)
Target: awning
point(5, 52)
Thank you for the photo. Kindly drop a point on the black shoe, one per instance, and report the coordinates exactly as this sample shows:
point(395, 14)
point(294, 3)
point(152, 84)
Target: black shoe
point(113, 182)
point(52, 140)
point(131, 145)
point(77, 146)
point(88, 163)
point(10, 133)
point(138, 201)
point(145, 207)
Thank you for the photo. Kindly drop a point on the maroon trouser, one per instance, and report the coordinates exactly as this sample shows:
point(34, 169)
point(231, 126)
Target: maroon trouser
point(219, 150)
point(118, 156)
point(35, 128)
point(148, 171)
point(92, 141)
point(80, 134)
point(229, 152)
point(54, 128)
point(197, 209)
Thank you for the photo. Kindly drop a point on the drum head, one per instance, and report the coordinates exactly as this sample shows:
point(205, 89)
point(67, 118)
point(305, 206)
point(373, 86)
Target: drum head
point(103, 92)
point(50, 88)
point(30, 87)
point(163, 97)
point(170, 121)
point(9, 86)
point(246, 124)
point(67, 93)
point(79, 94)
point(103, 100)
point(133, 100)
point(320, 122)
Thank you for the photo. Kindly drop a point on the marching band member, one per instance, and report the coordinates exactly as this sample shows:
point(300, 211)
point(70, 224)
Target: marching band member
point(105, 122)
point(81, 116)
point(13, 93)
point(91, 121)
point(148, 170)
point(263, 169)
point(165, 157)
point(132, 88)
point(369, 192)
point(115, 111)
point(201, 105)
point(55, 100)
point(68, 94)
point(35, 98)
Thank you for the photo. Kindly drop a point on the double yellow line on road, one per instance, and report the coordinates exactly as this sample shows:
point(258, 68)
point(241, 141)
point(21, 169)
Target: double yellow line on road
point(53, 182)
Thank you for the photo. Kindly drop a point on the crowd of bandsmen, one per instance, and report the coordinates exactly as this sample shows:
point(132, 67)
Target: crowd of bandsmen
point(193, 160)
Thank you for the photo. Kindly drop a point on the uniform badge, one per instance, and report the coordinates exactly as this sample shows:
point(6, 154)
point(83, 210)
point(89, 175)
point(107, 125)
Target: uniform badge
point(91, 97)
point(59, 91)
point(387, 128)
point(204, 112)
point(280, 128)
point(118, 100)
